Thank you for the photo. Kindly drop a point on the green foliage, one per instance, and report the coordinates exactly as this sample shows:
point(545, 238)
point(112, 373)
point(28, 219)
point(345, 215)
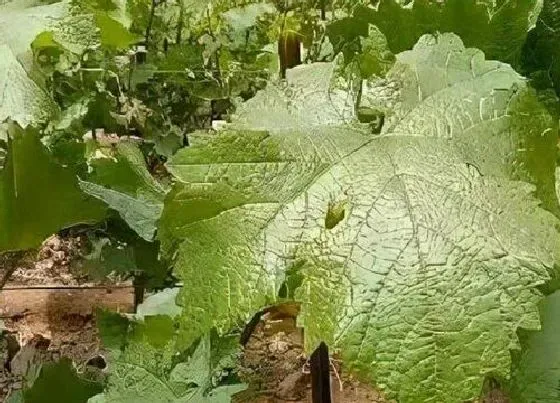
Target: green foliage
point(499, 29)
point(416, 244)
point(37, 196)
point(147, 369)
point(540, 57)
point(113, 329)
point(117, 248)
point(60, 382)
point(536, 372)
point(113, 34)
point(120, 179)
point(436, 227)
point(21, 99)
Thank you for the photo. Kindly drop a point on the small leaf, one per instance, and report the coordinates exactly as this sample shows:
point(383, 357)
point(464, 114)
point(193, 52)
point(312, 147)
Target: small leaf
point(113, 34)
point(37, 196)
point(160, 303)
point(59, 382)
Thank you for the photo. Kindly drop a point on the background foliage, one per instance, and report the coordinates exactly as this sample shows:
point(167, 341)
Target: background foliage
point(400, 185)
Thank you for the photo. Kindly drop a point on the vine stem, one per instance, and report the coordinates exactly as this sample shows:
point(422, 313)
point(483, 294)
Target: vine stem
point(179, 33)
point(150, 22)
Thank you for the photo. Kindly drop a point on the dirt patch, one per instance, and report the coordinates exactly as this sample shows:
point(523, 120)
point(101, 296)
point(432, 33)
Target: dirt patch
point(76, 338)
point(59, 261)
point(275, 366)
point(47, 310)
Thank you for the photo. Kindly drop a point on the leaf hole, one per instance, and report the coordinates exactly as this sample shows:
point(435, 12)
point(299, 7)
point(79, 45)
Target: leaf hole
point(336, 211)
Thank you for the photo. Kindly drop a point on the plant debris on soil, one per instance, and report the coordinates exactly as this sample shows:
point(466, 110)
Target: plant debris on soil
point(59, 261)
point(47, 311)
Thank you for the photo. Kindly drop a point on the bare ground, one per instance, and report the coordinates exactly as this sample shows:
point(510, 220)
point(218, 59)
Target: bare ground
point(47, 309)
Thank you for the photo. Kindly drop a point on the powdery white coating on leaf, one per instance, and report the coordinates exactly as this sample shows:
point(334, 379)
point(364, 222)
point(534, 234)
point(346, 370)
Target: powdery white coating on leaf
point(419, 277)
point(434, 263)
point(447, 89)
point(20, 23)
point(21, 99)
point(76, 32)
point(242, 18)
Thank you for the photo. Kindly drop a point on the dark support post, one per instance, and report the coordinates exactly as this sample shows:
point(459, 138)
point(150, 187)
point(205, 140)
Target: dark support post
point(289, 51)
point(321, 375)
point(139, 283)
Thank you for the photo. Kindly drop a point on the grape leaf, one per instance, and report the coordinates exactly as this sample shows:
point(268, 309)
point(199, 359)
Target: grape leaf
point(146, 370)
point(242, 19)
point(540, 54)
point(37, 196)
point(311, 95)
point(127, 187)
point(21, 99)
point(419, 251)
point(60, 382)
point(20, 23)
point(536, 372)
point(113, 34)
point(142, 215)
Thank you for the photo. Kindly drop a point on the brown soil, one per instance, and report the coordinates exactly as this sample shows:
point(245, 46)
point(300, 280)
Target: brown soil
point(47, 309)
point(275, 366)
point(59, 261)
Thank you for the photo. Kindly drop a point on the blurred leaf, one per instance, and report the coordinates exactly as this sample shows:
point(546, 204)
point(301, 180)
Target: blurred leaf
point(37, 196)
point(112, 328)
point(113, 34)
point(147, 370)
point(536, 371)
point(59, 382)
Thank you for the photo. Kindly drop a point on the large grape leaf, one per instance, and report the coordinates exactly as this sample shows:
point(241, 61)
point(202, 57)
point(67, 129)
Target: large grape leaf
point(417, 253)
point(536, 373)
point(312, 95)
point(21, 21)
point(21, 99)
point(37, 196)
